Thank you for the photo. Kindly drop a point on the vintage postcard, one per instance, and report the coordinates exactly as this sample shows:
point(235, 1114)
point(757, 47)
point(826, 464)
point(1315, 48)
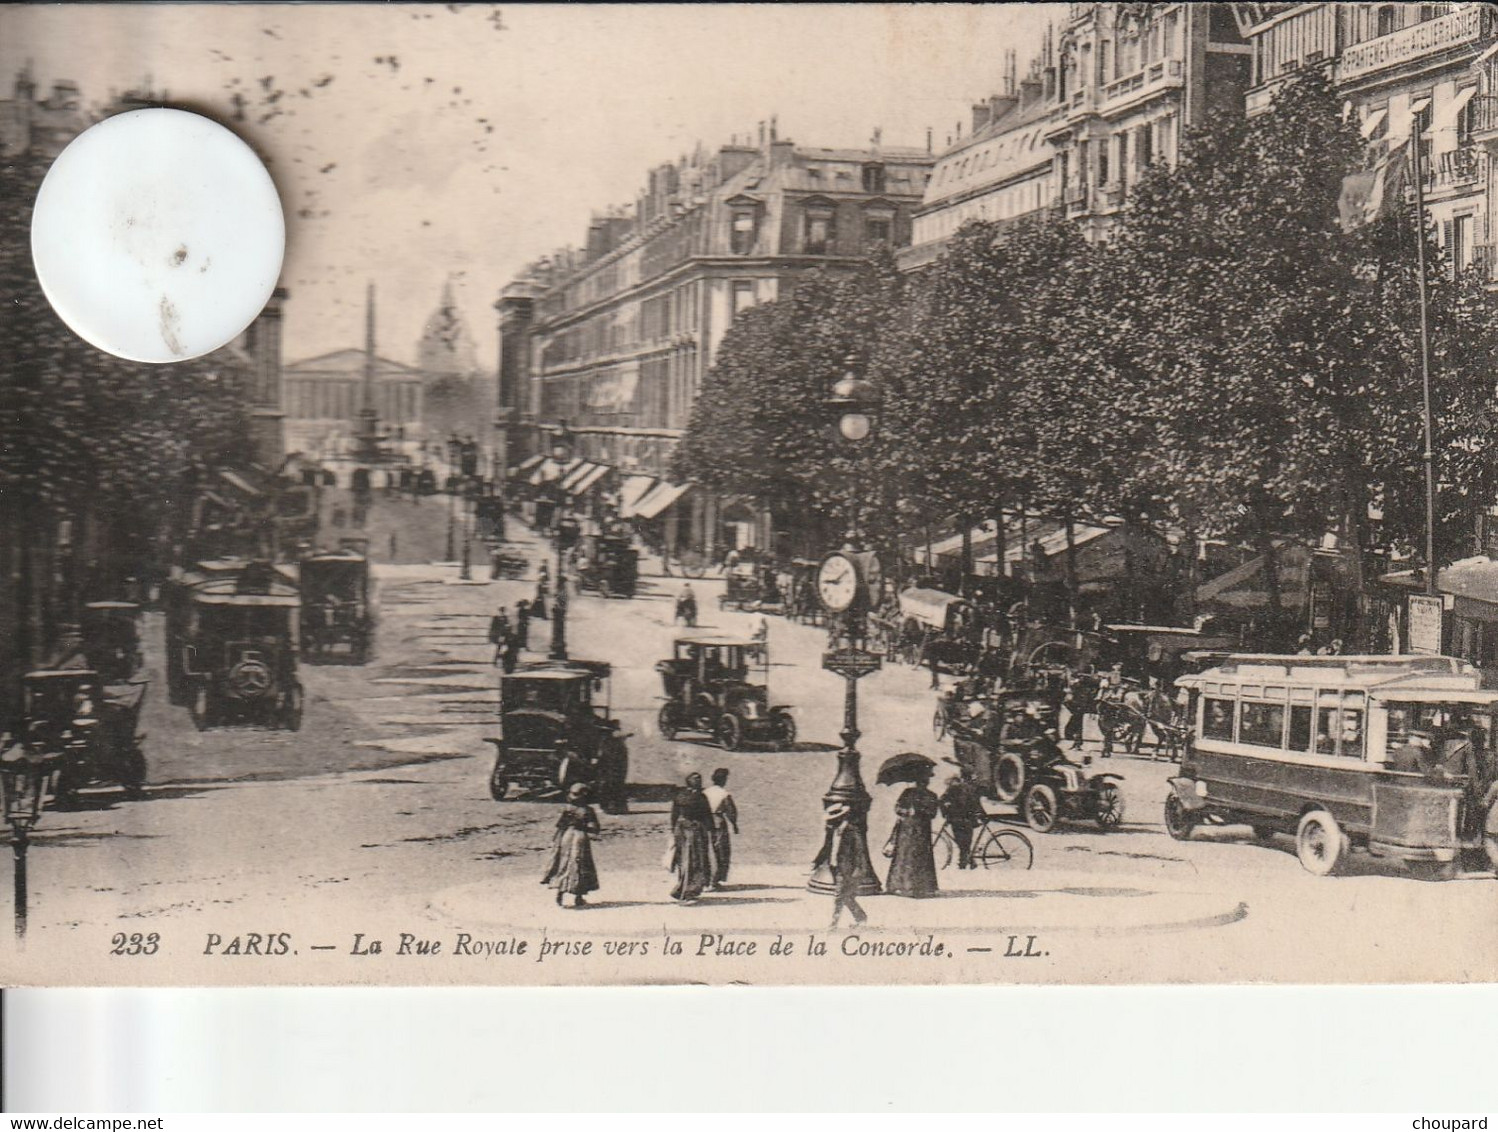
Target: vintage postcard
point(848, 494)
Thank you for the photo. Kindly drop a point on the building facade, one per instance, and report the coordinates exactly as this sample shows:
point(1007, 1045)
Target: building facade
point(1110, 94)
point(323, 397)
point(614, 338)
point(1419, 76)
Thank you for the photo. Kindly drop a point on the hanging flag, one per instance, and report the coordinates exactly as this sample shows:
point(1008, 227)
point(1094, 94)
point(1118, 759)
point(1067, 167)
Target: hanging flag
point(1374, 192)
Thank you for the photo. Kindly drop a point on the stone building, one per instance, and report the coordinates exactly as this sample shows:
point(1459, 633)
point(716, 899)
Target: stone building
point(614, 338)
point(325, 394)
point(1409, 71)
point(1110, 93)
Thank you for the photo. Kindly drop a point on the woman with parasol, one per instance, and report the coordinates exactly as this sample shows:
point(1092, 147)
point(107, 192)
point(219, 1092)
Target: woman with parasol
point(912, 869)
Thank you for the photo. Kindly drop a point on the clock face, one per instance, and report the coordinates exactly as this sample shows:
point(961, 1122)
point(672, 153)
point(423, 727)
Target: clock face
point(837, 582)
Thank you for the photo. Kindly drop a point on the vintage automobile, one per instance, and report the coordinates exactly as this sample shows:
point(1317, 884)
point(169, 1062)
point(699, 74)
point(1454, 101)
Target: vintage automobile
point(1392, 754)
point(555, 730)
point(111, 639)
point(742, 586)
point(608, 564)
point(89, 726)
point(337, 621)
point(709, 690)
point(1008, 751)
point(231, 636)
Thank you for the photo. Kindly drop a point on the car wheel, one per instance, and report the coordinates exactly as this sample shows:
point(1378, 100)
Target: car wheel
point(787, 727)
point(666, 721)
point(1040, 808)
point(939, 723)
point(1320, 844)
point(204, 707)
point(1009, 777)
point(291, 708)
point(499, 782)
point(1110, 807)
point(730, 732)
point(1432, 870)
point(132, 771)
point(1179, 821)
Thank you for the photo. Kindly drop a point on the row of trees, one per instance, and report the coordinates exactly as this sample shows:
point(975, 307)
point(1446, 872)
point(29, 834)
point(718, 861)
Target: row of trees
point(1229, 363)
point(96, 453)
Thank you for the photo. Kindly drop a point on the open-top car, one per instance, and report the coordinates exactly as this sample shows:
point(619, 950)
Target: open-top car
point(336, 619)
point(608, 564)
point(709, 688)
point(231, 634)
point(556, 730)
point(89, 726)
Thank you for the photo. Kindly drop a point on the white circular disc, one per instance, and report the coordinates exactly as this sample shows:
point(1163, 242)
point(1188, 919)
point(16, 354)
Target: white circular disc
point(158, 235)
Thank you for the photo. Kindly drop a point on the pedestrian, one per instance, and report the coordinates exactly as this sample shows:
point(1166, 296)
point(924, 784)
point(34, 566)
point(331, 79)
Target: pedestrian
point(964, 812)
point(844, 854)
point(691, 821)
point(912, 869)
point(499, 631)
point(929, 656)
point(543, 587)
point(523, 623)
point(725, 819)
point(1081, 701)
point(571, 868)
point(394, 544)
point(686, 606)
point(760, 635)
point(510, 657)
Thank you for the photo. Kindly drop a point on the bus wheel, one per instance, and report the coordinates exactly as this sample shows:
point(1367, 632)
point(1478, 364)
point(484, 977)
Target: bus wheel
point(1320, 844)
point(1179, 822)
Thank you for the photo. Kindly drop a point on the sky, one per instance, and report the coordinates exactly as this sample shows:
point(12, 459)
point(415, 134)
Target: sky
point(416, 143)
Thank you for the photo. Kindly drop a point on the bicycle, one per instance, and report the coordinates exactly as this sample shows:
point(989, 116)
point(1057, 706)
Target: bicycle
point(995, 845)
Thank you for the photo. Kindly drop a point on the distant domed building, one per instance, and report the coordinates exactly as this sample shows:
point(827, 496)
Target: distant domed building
point(456, 395)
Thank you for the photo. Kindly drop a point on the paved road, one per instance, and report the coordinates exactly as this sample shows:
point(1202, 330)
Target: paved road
point(376, 818)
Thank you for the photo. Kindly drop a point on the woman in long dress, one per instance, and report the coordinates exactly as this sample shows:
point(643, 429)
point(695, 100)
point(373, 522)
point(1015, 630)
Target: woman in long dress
point(912, 868)
point(571, 868)
point(691, 826)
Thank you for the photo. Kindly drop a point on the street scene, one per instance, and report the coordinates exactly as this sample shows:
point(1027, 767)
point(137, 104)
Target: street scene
point(1050, 548)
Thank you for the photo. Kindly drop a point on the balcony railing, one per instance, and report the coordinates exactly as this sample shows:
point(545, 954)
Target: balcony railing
point(1407, 44)
point(1454, 169)
point(1482, 113)
point(1146, 77)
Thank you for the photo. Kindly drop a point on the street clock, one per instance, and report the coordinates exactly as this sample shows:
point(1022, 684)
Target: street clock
point(845, 578)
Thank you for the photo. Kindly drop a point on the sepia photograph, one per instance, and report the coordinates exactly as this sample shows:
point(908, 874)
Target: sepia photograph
point(858, 494)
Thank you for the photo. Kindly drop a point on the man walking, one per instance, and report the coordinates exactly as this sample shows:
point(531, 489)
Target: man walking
point(1081, 701)
point(725, 818)
point(523, 623)
point(499, 632)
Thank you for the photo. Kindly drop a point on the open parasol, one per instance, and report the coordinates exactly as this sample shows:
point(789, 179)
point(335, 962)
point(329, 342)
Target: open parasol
point(907, 767)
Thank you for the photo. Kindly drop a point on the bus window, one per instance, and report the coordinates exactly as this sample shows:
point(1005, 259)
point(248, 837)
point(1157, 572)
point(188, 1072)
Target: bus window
point(1326, 731)
point(1352, 733)
point(1300, 727)
point(1217, 719)
point(1262, 724)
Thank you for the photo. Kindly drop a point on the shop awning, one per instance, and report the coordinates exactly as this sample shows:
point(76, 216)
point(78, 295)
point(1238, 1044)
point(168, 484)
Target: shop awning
point(1445, 118)
point(526, 465)
point(929, 607)
point(631, 491)
point(576, 474)
point(589, 479)
point(661, 496)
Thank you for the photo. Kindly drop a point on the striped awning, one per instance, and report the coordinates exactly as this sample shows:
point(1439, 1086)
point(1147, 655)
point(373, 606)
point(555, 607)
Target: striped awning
point(661, 496)
point(578, 485)
point(631, 491)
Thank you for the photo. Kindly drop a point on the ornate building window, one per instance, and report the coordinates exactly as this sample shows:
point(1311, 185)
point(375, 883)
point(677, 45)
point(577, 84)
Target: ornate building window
point(873, 178)
point(818, 232)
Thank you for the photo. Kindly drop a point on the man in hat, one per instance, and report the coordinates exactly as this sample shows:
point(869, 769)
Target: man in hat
point(499, 632)
point(725, 819)
point(523, 623)
point(844, 854)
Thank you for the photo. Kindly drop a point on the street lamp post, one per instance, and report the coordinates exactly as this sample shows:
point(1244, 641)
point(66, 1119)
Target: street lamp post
point(24, 778)
point(843, 585)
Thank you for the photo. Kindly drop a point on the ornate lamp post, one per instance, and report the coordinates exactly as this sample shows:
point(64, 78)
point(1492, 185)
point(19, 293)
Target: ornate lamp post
point(561, 451)
point(25, 776)
point(845, 583)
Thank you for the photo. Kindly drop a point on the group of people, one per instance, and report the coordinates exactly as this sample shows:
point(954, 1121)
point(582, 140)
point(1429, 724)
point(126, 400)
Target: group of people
point(704, 822)
point(510, 638)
